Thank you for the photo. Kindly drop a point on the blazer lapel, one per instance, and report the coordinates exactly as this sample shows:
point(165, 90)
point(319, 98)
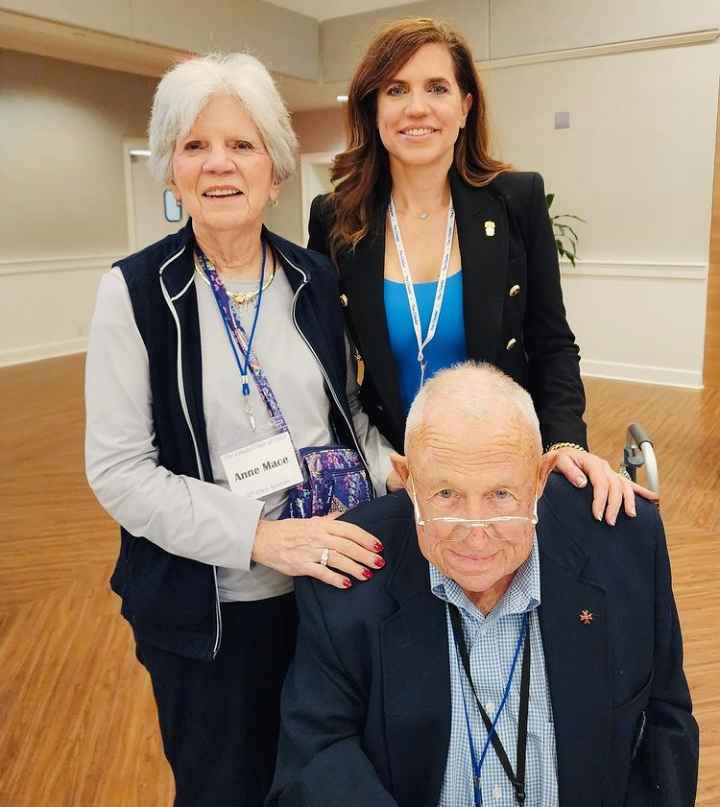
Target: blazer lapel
point(483, 233)
point(416, 684)
point(576, 659)
point(363, 273)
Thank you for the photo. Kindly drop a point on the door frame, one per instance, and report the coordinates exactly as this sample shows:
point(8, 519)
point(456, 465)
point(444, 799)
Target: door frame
point(129, 145)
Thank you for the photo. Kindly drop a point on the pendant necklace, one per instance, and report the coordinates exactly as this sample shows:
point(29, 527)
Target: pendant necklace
point(240, 297)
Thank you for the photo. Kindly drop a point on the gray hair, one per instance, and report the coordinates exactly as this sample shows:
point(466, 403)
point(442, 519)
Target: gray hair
point(185, 89)
point(466, 388)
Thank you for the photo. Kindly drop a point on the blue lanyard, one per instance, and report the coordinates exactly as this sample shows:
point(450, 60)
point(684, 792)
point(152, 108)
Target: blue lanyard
point(477, 764)
point(235, 333)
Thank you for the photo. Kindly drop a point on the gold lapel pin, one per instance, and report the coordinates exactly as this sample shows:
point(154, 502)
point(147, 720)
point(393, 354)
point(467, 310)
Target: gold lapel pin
point(490, 228)
point(585, 617)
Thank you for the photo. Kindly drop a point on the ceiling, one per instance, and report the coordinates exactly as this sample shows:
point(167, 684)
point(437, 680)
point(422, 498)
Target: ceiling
point(326, 10)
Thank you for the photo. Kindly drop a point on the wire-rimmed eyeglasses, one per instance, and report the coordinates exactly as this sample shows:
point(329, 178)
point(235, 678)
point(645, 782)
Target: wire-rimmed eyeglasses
point(463, 526)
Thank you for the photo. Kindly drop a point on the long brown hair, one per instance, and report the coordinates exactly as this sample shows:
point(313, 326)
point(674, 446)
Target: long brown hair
point(362, 170)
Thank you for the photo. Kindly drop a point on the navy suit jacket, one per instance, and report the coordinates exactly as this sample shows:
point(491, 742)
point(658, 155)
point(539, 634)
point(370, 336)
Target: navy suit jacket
point(366, 704)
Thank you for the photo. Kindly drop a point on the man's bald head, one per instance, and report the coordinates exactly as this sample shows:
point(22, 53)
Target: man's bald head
point(478, 397)
point(473, 453)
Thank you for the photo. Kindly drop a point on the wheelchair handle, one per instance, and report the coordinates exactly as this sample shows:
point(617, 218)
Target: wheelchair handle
point(638, 440)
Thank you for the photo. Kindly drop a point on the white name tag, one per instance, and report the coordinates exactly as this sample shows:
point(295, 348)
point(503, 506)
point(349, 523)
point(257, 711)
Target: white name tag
point(264, 467)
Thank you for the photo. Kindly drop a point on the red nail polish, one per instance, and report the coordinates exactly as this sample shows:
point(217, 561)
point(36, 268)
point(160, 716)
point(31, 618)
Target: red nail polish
point(367, 574)
point(379, 563)
point(379, 547)
point(346, 583)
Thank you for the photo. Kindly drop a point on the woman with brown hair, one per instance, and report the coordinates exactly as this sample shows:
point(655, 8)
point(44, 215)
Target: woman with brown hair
point(446, 254)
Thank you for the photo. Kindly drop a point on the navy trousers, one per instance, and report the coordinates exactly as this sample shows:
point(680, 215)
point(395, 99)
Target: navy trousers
point(219, 720)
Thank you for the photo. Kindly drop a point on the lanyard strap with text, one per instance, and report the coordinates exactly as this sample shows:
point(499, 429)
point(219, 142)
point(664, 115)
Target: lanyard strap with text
point(410, 289)
point(517, 780)
point(242, 345)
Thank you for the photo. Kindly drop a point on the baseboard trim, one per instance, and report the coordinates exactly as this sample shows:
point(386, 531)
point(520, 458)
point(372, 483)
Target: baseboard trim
point(644, 374)
point(48, 350)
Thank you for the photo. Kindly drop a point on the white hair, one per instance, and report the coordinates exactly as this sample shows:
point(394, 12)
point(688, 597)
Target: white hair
point(185, 89)
point(466, 388)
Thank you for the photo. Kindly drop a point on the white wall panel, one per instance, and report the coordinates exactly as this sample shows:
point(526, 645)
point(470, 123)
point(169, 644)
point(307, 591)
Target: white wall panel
point(63, 290)
point(638, 322)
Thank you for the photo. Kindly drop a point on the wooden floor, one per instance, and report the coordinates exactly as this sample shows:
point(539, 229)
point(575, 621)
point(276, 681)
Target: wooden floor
point(77, 723)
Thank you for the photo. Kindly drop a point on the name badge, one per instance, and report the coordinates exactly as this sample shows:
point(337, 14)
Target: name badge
point(264, 467)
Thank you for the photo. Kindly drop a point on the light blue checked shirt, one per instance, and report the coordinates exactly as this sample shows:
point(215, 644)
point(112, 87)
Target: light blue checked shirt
point(491, 642)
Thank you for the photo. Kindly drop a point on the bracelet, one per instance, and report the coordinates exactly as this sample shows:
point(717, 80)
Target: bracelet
point(556, 446)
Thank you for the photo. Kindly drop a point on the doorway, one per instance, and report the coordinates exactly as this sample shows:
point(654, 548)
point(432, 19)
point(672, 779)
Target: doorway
point(146, 205)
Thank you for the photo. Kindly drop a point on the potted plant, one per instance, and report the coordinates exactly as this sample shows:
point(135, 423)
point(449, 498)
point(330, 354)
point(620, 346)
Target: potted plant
point(565, 236)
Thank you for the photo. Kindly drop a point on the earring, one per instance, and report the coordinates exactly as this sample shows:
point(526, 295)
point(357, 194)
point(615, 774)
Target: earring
point(273, 203)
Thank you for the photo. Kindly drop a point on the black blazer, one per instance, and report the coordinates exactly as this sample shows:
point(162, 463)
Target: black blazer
point(366, 705)
point(543, 356)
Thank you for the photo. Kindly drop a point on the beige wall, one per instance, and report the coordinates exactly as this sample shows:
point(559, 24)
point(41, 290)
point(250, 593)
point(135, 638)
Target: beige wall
point(63, 159)
point(637, 164)
point(499, 28)
point(637, 159)
point(319, 131)
point(62, 178)
point(529, 26)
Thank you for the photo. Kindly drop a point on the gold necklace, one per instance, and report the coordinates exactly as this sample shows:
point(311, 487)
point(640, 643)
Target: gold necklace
point(238, 297)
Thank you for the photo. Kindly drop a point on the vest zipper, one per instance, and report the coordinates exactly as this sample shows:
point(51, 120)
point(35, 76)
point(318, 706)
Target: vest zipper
point(322, 369)
point(183, 403)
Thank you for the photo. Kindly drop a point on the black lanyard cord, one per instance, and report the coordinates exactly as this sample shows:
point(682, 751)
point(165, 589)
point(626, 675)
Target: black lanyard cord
point(517, 781)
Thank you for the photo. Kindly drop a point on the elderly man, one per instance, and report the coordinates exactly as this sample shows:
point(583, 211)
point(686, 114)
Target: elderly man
point(490, 663)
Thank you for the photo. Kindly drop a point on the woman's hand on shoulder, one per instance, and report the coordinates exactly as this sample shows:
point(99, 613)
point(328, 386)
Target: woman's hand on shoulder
point(296, 546)
point(611, 490)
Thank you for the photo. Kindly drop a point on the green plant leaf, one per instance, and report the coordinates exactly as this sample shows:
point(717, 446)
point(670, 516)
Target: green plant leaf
point(566, 239)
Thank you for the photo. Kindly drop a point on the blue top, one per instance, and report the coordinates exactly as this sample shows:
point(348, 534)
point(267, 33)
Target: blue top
point(448, 346)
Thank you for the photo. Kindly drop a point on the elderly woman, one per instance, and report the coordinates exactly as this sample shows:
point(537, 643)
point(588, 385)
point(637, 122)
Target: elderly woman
point(215, 355)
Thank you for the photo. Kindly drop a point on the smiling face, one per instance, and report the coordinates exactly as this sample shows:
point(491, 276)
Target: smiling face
point(421, 110)
point(475, 468)
point(221, 171)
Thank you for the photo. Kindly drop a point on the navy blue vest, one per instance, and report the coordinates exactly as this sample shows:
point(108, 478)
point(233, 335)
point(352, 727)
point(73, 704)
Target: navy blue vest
point(170, 601)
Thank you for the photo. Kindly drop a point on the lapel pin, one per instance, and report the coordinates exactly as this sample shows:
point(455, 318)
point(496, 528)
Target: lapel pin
point(586, 617)
point(490, 228)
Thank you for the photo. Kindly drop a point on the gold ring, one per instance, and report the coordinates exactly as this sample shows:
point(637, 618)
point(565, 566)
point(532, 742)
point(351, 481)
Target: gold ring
point(324, 557)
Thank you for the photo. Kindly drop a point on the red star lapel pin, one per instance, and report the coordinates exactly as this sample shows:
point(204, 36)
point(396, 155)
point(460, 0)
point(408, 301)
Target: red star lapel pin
point(586, 617)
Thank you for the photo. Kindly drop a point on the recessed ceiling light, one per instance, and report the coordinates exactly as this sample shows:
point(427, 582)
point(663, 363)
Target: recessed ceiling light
point(342, 99)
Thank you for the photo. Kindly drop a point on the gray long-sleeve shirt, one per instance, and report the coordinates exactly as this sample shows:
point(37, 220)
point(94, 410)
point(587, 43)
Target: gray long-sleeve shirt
point(181, 514)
